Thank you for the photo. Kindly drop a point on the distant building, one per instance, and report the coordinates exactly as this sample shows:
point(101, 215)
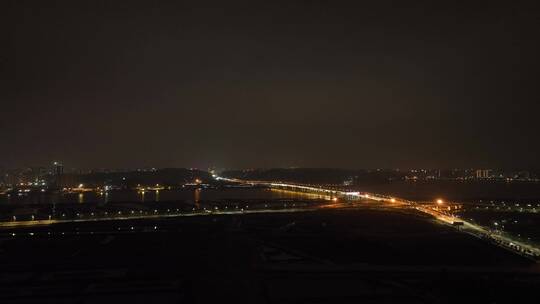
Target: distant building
point(525, 175)
point(3, 176)
point(483, 173)
point(58, 173)
point(348, 182)
point(37, 174)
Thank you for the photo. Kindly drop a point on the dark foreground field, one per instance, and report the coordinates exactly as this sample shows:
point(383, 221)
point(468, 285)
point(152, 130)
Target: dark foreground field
point(346, 256)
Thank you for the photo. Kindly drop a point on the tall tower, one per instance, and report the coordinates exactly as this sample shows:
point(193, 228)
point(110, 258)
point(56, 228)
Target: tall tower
point(58, 172)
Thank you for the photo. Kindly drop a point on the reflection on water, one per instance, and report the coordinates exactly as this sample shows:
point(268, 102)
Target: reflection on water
point(301, 195)
point(189, 195)
point(197, 197)
point(412, 190)
point(143, 195)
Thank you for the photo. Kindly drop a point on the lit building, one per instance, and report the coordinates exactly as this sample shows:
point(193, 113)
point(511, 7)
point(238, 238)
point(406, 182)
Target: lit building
point(483, 173)
point(58, 173)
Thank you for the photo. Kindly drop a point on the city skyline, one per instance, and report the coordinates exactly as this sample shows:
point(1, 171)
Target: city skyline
point(73, 168)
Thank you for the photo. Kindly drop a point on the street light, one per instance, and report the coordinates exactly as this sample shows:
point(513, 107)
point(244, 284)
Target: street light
point(440, 201)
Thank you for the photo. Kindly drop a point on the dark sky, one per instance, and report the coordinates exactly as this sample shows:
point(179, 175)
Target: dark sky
point(269, 84)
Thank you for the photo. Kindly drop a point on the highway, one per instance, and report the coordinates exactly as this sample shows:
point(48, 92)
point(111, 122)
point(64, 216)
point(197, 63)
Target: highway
point(15, 224)
point(503, 240)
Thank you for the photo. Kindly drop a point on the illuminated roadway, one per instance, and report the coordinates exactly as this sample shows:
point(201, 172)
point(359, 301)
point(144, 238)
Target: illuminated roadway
point(128, 216)
point(503, 240)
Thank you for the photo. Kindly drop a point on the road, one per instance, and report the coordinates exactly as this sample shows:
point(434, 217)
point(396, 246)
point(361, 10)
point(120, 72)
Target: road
point(503, 240)
point(14, 224)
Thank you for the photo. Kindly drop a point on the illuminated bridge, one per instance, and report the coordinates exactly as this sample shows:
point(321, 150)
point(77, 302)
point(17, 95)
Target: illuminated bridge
point(317, 189)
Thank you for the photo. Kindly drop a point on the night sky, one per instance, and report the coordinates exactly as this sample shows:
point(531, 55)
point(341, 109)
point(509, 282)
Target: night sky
point(269, 84)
